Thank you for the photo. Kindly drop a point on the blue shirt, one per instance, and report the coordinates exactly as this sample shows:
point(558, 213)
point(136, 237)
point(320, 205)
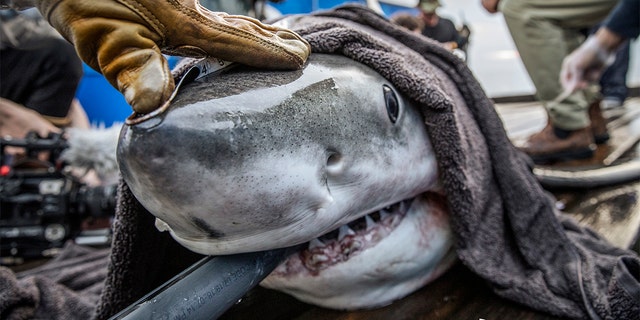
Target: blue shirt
point(624, 19)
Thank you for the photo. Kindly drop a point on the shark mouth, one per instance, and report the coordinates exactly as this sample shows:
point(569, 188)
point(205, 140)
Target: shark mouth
point(374, 260)
point(352, 238)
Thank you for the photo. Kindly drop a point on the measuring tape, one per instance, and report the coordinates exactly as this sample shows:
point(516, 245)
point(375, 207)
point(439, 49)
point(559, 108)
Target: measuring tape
point(202, 68)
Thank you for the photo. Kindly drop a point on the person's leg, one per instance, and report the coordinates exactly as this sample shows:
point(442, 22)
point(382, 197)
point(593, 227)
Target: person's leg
point(43, 79)
point(613, 82)
point(544, 32)
point(568, 14)
point(542, 47)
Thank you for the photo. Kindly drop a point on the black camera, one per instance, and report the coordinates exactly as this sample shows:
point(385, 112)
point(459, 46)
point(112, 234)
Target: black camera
point(42, 205)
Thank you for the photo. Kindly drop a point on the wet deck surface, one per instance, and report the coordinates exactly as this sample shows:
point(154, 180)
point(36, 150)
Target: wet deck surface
point(613, 211)
point(523, 119)
point(458, 294)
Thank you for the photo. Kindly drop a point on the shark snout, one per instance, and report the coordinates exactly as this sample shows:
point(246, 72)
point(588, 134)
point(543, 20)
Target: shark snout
point(254, 160)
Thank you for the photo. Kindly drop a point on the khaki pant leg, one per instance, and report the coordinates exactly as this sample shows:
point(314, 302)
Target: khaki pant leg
point(544, 32)
point(575, 14)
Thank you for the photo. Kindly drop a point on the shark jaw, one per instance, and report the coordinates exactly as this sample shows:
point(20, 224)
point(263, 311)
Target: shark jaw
point(374, 260)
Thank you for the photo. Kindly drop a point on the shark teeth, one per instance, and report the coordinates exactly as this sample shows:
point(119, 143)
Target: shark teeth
point(345, 231)
point(316, 243)
point(370, 223)
point(338, 245)
point(384, 214)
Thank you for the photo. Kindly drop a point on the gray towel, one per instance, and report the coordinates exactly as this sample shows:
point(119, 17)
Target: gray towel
point(142, 258)
point(506, 227)
point(67, 287)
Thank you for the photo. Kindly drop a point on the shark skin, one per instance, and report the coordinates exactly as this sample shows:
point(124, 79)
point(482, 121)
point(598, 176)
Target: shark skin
point(330, 155)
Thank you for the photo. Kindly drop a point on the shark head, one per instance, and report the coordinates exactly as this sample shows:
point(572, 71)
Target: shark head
point(331, 155)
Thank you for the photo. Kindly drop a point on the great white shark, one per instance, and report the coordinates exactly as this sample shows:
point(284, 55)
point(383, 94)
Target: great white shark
point(331, 155)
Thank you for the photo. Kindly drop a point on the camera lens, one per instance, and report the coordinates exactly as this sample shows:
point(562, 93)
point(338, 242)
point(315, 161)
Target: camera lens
point(54, 232)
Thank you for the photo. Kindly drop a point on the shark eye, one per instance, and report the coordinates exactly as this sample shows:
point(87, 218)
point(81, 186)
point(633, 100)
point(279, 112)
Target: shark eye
point(390, 99)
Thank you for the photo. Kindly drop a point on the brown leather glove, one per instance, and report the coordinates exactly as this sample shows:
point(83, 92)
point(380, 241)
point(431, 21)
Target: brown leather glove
point(124, 39)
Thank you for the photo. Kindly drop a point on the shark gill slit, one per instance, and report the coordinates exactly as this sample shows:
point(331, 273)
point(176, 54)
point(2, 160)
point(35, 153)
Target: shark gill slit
point(204, 226)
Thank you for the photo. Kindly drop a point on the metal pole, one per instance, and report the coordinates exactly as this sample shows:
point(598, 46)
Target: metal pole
point(206, 289)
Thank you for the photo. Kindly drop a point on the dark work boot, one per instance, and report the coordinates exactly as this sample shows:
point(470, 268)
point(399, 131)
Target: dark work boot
point(598, 123)
point(554, 144)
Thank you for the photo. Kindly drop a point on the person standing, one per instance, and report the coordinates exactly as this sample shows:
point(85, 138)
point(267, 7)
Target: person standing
point(439, 28)
point(545, 32)
point(40, 70)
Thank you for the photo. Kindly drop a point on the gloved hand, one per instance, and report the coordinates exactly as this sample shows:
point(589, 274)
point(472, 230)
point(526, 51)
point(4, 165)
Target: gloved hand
point(585, 65)
point(124, 39)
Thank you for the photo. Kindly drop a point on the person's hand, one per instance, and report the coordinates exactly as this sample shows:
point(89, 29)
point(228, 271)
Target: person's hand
point(16, 121)
point(124, 39)
point(490, 5)
point(451, 45)
point(587, 63)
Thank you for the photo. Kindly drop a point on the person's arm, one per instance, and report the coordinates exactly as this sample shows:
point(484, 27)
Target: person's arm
point(125, 39)
point(624, 19)
point(461, 41)
point(16, 121)
point(587, 62)
point(452, 33)
point(609, 40)
point(17, 4)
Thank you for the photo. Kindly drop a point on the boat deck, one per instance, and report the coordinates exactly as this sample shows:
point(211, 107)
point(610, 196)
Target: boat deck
point(613, 211)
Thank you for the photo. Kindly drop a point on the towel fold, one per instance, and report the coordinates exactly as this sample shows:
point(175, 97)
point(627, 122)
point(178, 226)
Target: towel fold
point(506, 226)
point(67, 287)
